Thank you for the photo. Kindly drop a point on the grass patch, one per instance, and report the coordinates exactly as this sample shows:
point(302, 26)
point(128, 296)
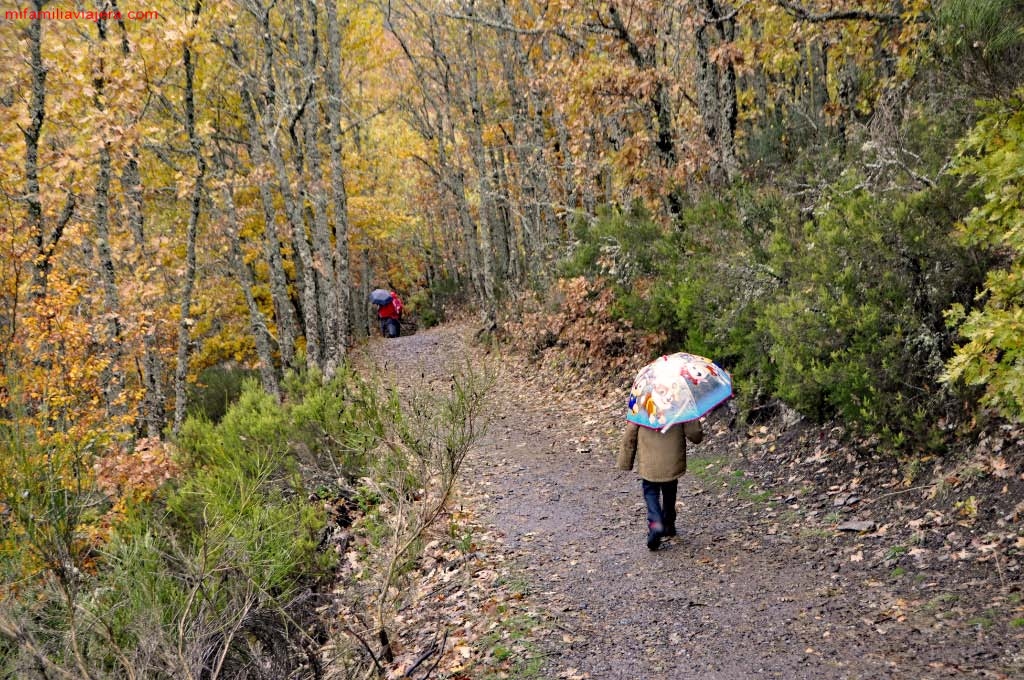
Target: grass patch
point(713, 471)
point(980, 622)
point(512, 648)
point(939, 602)
point(517, 585)
point(708, 469)
point(895, 552)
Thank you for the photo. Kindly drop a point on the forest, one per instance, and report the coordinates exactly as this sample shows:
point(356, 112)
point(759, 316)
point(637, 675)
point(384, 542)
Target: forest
point(196, 197)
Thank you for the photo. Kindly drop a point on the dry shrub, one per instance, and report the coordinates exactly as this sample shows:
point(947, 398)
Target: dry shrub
point(577, 328)
point(136, 474)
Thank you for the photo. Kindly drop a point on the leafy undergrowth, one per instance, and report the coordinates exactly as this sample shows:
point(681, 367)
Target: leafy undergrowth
point(946, 533)
point(210, 565)
point(309, 539)
point(465, 613)
point(576, 335)
point(962, 512)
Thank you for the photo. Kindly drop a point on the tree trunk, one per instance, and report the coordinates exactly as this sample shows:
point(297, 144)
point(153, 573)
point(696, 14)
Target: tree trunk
point(362, 310)
point(716, 89)
point(284, 310)
point(522, 150)
point(310, 306)
point(453, 179)
point(338, 191)
point(185, 324)
point(332, 349)
point(505, 242)
point(479, 154)
point(540, 231)
point(152, 368)
point(44, 235)
point(246, 281)
point(113, 376)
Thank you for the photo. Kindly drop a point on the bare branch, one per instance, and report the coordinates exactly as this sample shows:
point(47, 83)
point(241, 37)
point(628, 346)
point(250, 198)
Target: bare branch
point(805, 14)
point(366, 646)
point(508, 27)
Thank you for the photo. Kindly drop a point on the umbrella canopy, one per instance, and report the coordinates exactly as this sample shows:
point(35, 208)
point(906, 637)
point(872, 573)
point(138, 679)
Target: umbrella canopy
point(380, 296)
point(676, 388)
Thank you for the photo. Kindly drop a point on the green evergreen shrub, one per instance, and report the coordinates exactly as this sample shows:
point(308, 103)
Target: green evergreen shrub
point(208, 572)
point(723, 281)
point(624, 248)
point(443, 291)
point(702, 285)
point(217, 388)
point(837, 312)
point(857, 330)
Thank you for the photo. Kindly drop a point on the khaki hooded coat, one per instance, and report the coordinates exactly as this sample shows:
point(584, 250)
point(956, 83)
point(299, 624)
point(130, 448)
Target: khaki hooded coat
point(658, 457)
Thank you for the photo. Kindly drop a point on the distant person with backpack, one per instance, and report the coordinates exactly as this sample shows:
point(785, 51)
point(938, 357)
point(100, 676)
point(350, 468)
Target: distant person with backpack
point(389, 312)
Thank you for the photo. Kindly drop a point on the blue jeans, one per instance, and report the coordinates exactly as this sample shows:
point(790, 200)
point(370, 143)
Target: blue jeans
point(661, 505)
point(390, 328)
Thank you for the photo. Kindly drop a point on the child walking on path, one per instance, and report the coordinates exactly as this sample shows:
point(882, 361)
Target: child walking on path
point(660, 460)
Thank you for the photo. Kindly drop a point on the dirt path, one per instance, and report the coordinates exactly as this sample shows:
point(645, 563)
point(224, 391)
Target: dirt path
point(750, 588)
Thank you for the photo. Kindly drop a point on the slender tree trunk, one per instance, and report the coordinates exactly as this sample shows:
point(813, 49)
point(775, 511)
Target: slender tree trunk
point(362, 310)
point(185, 324)
point(113, 377)
point(284, 310)
point(572, 192)
point(453, 178)
point(592, 186)
point(44, 235)
point(486, 190)
point(152, 369)
point(716, 88)
point(486, 211)
point(305, 274)
point(329, 313)
point(504, 240)
point(246, 281)
point(522, 150)
point(293, 209)
point(728, 105)
point(338, 192)
point(469, 234)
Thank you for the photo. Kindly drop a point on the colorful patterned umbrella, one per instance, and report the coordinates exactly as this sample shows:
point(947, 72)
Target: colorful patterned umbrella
point(676, 388)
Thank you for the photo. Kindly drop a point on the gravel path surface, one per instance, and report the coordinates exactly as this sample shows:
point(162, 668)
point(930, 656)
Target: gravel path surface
point(745, 591)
